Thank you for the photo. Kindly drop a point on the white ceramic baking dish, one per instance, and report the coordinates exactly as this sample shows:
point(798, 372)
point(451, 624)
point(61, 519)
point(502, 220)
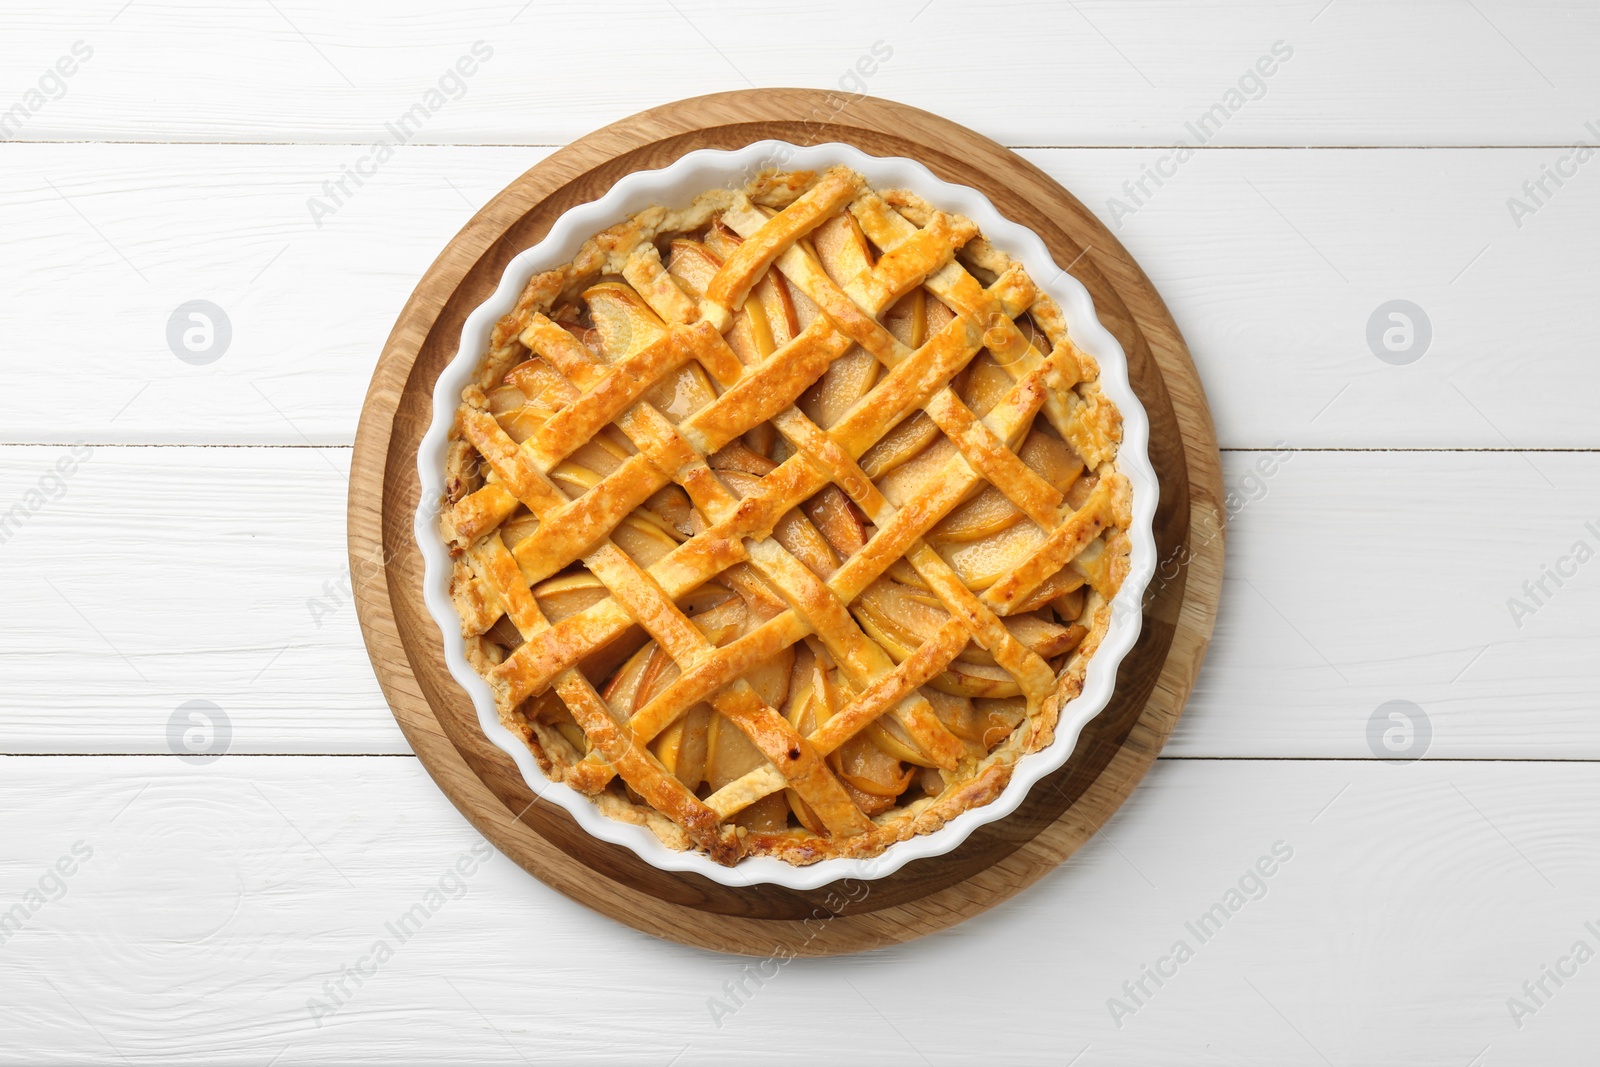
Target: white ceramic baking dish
point(676, 185)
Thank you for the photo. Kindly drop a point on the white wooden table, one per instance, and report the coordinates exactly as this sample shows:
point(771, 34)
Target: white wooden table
point(190, 547)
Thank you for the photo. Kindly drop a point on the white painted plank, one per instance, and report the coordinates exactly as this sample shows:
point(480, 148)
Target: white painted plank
point(159, 576)
point(1356, 579)
point(1090, 73)
point(1353, 579)
point(1272, 261)
point(217, 901)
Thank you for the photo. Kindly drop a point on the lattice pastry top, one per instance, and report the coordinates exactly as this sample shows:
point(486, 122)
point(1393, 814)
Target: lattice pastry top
point(785, 523)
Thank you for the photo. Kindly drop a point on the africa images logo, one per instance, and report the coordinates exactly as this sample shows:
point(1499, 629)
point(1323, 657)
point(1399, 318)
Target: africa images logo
point(1537, 592)
point(1252, 885)
point(452, 85)
point(1250, 86)
point(51, 85)
point(1539, 191)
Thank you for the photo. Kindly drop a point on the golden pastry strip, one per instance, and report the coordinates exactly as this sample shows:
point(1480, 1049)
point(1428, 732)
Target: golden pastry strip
point(745, 267)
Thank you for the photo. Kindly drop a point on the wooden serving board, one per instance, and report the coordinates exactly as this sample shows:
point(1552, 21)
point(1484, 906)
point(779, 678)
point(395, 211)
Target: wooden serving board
point(1060, 814)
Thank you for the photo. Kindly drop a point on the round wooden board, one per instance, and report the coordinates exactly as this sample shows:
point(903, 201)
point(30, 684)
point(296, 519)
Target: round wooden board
point(997, 861)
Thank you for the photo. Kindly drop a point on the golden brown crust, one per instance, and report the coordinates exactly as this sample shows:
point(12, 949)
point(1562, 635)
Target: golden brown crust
point(692, 602)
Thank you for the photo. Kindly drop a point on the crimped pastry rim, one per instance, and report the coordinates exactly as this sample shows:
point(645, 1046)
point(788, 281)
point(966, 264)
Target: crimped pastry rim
point(678, 183)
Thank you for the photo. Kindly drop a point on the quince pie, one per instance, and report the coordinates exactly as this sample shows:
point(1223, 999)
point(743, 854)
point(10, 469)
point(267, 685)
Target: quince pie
point(785, 523)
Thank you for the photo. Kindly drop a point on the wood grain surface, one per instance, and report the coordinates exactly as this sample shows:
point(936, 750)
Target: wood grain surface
point(997, 861)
